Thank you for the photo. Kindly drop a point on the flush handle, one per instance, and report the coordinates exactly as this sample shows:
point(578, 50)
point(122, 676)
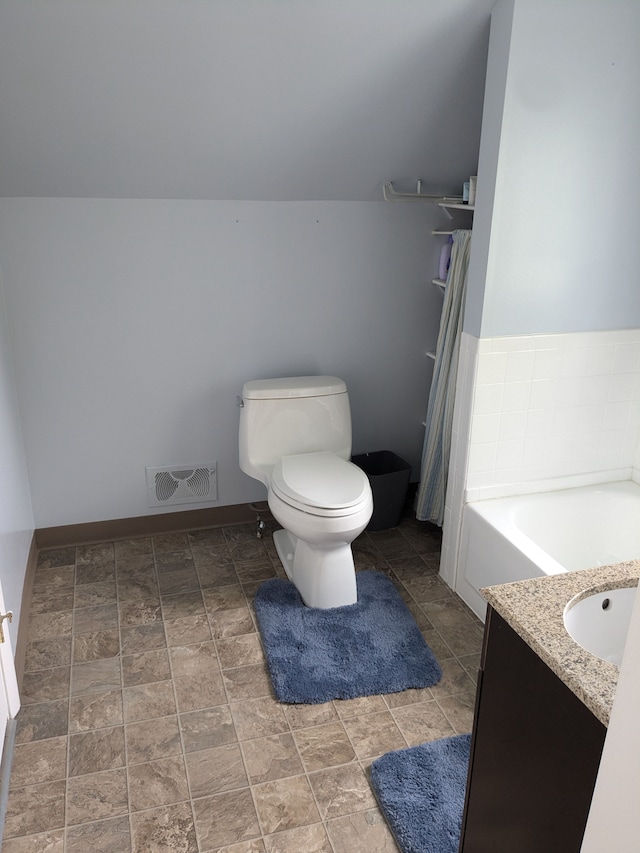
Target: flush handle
point(9, 617)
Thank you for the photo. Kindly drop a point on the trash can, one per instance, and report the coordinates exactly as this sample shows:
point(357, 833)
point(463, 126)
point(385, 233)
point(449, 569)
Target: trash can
point(388, 475)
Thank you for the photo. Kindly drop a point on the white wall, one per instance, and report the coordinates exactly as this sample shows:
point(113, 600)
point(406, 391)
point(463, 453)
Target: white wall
point(494, 105)
point(135, 324)
point(239, 99)
point(16, 517)
point(562, 254)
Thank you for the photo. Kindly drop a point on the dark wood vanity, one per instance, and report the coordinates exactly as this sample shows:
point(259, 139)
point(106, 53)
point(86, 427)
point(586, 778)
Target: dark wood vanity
point(535, 753)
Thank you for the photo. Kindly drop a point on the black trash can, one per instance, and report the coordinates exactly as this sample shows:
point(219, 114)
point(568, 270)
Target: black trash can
point(389, 478)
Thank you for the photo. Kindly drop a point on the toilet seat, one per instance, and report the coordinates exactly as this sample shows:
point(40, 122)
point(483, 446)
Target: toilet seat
point(320, 484)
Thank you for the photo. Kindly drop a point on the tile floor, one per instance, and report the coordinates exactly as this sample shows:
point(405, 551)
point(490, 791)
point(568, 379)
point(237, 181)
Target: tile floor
point(148, 721)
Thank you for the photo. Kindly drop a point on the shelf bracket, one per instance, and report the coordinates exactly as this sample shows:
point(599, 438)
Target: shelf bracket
point(390, 194)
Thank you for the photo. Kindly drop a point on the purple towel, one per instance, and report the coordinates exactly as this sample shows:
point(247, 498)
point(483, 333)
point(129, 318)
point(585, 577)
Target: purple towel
point(445, 259)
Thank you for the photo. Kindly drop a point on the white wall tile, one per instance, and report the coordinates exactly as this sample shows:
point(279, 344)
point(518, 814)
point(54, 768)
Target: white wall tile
point(488, 399)
point(566, 420)
point(516, 396)
point(594, 389)
point(482, 457)
point(504, 479)
point(485, 428)
point(565, 405)
point(543, 394)
point(513, 426)
point(491, 367)
point(586, 446)
point(509, 456)
point(600, 359)
point(481, 480)
point(627, 358)
point(591, 417)
point(539, 422)
point(547, 364)
point(621, 386)
point(616, 415)
point(520, 366)
point(574, 361)
point(570, 390)
point(616, 449)
point(543, 342)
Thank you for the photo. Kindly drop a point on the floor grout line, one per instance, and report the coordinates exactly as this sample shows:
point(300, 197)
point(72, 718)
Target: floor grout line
point(378, 551)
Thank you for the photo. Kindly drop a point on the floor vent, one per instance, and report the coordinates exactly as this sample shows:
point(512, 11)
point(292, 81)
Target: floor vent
point(182, 484)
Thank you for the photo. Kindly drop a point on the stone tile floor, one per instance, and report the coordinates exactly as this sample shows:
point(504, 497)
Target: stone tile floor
point(149, 724)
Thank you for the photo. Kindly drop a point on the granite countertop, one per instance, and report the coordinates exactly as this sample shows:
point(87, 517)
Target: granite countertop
point(534, 609)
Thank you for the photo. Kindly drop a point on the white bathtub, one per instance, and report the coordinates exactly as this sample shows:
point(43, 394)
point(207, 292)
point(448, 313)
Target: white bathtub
point(510, 539)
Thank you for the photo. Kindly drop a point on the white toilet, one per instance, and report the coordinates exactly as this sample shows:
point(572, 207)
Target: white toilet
point(295, 437)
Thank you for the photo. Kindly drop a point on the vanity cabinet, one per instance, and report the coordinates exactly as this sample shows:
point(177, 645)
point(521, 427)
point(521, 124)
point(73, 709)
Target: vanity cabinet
point(535, 752)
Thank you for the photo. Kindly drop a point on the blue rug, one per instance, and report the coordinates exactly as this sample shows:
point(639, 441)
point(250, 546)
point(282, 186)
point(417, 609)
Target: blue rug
point(421, 793)
point(372, 646)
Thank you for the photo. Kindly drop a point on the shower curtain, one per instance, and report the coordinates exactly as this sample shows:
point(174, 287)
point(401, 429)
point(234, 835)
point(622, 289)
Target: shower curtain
point(430, 498)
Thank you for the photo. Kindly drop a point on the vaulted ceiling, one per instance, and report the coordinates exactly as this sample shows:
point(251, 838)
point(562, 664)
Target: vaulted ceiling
point(239, 99)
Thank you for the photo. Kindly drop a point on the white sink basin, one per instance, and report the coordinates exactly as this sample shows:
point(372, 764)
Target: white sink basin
point(600, 622)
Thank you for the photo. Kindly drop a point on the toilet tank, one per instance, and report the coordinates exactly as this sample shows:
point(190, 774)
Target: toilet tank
point(295, 414)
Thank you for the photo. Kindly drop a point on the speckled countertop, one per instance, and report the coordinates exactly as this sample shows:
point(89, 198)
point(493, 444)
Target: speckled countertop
point(534, 609)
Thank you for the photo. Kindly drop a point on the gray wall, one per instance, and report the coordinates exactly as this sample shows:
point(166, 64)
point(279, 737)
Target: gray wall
point(555, 230)
point(135, 323)
point(285, 100)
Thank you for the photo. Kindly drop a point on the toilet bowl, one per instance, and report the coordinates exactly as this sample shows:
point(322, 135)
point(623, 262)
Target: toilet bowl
point(323, 503)
point(295, 437)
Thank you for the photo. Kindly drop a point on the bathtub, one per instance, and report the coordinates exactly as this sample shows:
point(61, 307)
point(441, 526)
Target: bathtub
point(526, 536)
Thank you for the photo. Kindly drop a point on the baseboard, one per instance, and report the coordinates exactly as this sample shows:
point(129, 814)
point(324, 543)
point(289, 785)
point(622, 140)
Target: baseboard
point(148, 525)
point(25, 605)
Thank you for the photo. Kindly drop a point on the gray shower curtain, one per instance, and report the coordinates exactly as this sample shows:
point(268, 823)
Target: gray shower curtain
point(430, 499)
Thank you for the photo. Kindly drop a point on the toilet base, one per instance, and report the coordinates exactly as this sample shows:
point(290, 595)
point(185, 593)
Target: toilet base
point(324, 577)
point(285, 544)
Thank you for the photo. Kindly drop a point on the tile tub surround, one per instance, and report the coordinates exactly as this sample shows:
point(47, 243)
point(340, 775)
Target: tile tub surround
point(552, 406)
point(535, 413)
point(148, 720)
point(534, 609)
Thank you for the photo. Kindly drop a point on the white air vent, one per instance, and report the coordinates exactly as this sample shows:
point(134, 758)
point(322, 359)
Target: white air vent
point(182, 484)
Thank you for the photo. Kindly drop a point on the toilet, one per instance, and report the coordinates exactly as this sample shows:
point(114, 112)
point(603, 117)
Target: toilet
point(295, 437)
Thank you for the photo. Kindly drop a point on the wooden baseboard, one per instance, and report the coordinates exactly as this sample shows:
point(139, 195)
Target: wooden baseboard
point(148, 525)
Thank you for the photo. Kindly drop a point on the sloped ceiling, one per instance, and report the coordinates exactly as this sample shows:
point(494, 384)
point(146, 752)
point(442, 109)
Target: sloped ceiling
point(239, 99)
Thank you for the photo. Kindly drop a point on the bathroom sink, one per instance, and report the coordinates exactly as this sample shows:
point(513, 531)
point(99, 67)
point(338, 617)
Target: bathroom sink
point(600, 622)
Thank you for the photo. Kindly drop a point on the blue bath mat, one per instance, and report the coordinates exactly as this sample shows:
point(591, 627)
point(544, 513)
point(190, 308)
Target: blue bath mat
point(372, 646)
point(421, 793)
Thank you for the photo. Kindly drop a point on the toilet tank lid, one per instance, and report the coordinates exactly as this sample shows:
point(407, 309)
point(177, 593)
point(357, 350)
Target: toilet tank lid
point(293, 386)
